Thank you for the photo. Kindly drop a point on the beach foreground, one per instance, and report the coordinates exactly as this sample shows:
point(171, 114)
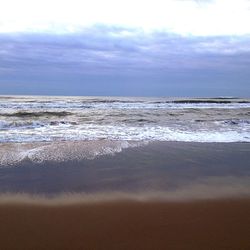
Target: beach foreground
point(161, 195)
point(203, 224)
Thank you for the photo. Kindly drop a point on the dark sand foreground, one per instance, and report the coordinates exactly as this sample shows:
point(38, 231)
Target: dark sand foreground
point(213, 224)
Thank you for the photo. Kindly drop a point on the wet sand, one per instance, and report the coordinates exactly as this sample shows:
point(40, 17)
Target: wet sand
point(159, 166)
point(204, 224)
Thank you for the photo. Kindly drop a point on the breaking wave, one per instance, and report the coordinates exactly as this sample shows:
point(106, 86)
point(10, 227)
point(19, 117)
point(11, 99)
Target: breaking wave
point(48, 119)
point(14, 153)
point(36, 114)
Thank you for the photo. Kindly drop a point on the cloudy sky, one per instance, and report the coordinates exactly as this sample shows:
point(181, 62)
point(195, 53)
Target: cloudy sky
point(132, 47)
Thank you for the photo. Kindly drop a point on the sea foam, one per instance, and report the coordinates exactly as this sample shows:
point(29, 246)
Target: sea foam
point(14, 153)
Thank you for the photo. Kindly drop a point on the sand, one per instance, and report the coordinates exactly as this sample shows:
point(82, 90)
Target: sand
point(160, 196)
point(204, 224)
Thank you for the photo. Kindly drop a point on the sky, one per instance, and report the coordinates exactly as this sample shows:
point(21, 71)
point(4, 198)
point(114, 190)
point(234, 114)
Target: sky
point(125, 48)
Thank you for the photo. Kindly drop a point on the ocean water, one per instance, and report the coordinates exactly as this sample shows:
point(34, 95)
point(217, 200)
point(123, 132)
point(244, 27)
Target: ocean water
point(42, 128)
point(172, 148)
point(49, 119)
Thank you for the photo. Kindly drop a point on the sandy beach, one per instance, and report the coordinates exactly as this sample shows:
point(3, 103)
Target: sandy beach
point(207, 224)
point(159, 196)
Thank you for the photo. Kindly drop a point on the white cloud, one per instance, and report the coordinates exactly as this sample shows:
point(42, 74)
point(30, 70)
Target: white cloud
point(218, 17)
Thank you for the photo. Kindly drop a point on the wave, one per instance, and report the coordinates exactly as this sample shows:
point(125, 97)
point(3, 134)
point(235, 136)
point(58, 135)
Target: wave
point(13, 153)
point(84, 118)
point(227, 121)
point(32, 124)
point(236, 122)
point(221, 133)
point(36, 114)
point(211, 100)
point(219, 100)
point(65, 108)
point(204, 101)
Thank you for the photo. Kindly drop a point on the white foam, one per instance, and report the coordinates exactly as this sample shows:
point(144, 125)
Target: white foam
point(131, 133)
point(13, 153)
point(36, 119)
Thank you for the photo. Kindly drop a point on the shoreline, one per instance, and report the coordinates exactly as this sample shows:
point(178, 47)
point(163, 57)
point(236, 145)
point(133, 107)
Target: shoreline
point(206, 224)
point(167, 167)
point(219, 168)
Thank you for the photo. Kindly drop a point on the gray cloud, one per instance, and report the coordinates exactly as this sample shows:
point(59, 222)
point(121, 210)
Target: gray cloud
point(106, 52)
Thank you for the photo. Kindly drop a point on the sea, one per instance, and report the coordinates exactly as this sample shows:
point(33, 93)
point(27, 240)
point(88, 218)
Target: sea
point(180, 147)
point(30, 125)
